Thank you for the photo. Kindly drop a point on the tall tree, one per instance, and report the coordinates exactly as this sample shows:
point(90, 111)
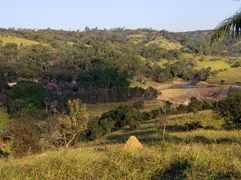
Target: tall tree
point(75, 123)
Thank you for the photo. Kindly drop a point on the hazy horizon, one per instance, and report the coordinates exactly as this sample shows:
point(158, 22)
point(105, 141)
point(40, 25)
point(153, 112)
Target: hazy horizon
point(174, 16)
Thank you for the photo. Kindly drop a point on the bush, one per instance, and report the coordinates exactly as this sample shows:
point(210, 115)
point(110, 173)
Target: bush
point(146, 116)
point(138, 104)
point(194, 106)
point(154, 114)
point(25, 139)
point(230, 109)
point(181, 108)
point(236, 64)
point(94, 129)
point(145, 94)
point(107, 125)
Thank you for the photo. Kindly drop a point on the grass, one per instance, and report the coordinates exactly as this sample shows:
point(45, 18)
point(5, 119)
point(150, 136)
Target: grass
point(137, 38)
point(163, 162)
point(216, 63)
point(230, 76)
point(161, 41)
point(200, 154)
point(18, 41)
point(98, 109)
point(165, 44)
point(149, 83)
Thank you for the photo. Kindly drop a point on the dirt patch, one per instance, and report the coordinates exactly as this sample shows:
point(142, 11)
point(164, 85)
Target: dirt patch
point(183, 95)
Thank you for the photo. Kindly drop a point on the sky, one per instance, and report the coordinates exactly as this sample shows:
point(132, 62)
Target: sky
point(171, 15)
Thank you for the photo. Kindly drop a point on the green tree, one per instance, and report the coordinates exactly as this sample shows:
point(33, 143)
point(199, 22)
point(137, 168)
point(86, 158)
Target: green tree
point(75, 123)
point(194, 105)
point(230, 109)
point(26, 94)
point(87, 29)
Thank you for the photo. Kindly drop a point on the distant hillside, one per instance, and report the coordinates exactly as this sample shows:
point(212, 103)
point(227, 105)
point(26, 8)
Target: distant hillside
point(145, 54)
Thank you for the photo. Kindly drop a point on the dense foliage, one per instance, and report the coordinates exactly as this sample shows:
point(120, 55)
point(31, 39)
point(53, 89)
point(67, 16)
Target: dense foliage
point(230, 109)
point(67, 56)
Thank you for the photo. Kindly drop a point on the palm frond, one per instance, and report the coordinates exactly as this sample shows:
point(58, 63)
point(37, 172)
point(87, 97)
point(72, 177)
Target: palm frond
point(230, 27)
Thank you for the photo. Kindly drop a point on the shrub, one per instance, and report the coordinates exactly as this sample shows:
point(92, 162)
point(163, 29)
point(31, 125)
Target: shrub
point(138, 104)
point(154, 114)
point(146, 116)
point(194, 106)
point(107, 125)
point(230, 109)
point(94, 129)
point(181, 108)
point(25, 139)
point(236, 64)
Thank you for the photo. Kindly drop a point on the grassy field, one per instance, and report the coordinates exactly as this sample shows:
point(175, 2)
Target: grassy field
point(214, 62)
point(207, 153)
point(230, 76)
point(16, 40)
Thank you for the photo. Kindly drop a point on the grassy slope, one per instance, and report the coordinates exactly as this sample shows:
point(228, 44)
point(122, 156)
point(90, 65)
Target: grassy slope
point(215, 65)
point(200, 154)
point(165, 44)
point(162, 42)
point(16, 40)
point(230, 76)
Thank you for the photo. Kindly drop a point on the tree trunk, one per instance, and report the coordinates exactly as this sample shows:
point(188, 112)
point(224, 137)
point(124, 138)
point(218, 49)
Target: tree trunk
point(164, 117)
point(164, 128)
point(70, 141)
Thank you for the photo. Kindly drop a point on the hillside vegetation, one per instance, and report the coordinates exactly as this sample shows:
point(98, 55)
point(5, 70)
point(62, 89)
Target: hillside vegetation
point(145, 54)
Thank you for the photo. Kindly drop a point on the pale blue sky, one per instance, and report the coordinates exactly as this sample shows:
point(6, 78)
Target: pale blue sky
point(172, 15)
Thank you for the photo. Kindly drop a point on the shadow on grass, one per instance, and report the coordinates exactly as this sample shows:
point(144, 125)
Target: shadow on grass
point(177, 170)
point(204, 140)
point(176, 128)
